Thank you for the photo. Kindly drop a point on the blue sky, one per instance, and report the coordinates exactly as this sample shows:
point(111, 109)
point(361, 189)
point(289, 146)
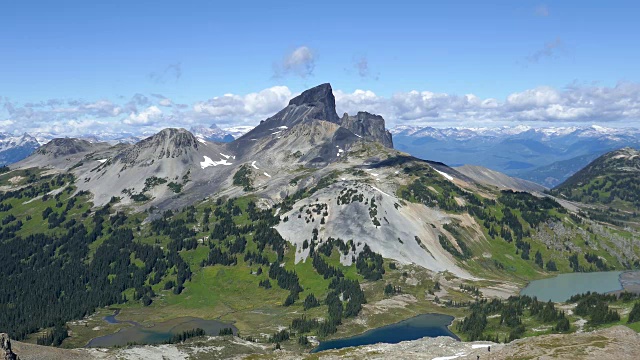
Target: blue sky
point(194, 51)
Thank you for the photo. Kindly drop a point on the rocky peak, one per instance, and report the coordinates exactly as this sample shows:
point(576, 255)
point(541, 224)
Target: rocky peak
point(171, 137)
point(320, 97)
point(5, 346)
point(368, 126)
point(317, 103)
point(168, 143)
point(64, 147)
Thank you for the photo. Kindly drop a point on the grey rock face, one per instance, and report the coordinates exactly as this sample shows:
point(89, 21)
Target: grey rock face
point(5, 346)
point(321, 99)
point(369, 126)
point(317, 103)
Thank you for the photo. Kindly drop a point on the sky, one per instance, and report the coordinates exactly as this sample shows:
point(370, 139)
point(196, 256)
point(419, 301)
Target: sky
point(75, 67)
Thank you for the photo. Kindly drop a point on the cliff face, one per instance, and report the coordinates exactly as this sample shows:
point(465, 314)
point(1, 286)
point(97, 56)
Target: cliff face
point(369, 126)
point(321, 99)
point(5, 346)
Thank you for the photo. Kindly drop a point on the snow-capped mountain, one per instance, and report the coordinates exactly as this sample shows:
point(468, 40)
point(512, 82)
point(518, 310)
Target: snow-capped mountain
point(211, 133)
point(524, 151)
point(111, 138)
point(238, 131)
point(462, 133)
point(217, 134)
point(15, 148)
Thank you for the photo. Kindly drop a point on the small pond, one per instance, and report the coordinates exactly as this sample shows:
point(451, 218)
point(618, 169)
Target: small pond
point(560, 288)
point(426, 325)
point(158, 333)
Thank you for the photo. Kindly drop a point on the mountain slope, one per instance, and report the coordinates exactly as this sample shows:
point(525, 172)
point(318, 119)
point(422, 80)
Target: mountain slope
point(554, 174)
point(490, 177)
point(611, 179)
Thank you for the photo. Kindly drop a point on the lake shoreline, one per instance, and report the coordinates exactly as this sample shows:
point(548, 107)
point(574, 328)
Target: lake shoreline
point(157, 333)
point(428, 325)
point(626, 280)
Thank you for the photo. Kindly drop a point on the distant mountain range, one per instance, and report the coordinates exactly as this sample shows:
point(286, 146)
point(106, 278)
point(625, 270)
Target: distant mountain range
point(16, 148)
point(546, 156)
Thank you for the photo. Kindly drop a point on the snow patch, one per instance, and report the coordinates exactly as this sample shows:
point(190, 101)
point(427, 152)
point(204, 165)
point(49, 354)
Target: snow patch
point(225, 156)
point(447, 176)
point(253, 164)
point(102, 161)
point(479, 346)
point(208, 162)
point(201, 140)
point(375, 188)
point(267, 175)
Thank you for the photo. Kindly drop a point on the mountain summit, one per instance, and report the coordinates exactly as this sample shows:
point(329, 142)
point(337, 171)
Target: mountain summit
point(321, 100)
point(318, 103)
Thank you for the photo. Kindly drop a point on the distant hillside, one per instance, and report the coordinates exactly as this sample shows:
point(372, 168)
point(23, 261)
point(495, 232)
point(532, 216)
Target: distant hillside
point(490, 177)
point(612, 180)
point(555, 173)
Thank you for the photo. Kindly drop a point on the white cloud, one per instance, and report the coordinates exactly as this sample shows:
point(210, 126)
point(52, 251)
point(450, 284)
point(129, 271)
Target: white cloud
point(573, 104)
point(300, 62)
point(165, 102)
point(241, 108)
point(148, 116)
point(6, 124)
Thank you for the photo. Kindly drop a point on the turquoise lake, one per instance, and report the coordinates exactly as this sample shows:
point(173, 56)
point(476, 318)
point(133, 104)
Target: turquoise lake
point(560, 288)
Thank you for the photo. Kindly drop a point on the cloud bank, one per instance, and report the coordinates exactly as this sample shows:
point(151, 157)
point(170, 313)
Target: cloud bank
point(618, 105)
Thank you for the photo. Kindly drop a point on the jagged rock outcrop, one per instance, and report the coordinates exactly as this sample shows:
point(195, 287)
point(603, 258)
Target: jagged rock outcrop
point(5, 345)
point(321, 99)
point(317, 103)
point(369, 126)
